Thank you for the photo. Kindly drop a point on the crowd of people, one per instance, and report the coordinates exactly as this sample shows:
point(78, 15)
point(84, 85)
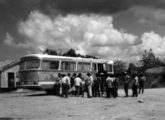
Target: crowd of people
point(87, 86)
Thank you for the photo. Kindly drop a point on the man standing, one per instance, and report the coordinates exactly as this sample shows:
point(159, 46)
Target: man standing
point(97, 85)
point(103, 82)
point(126, 84)
point(78, 84)
point(135, 86)
point(88, 83)
point(141, 83)
point(65, 85)
point(72, 84)
point(57, 85)
point(109, 86)
point(115, 85)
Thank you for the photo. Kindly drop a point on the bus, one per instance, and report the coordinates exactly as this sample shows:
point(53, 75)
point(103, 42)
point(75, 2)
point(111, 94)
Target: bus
point(40, 71)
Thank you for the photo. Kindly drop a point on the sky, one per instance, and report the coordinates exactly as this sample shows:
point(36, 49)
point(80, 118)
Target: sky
point(110, 29)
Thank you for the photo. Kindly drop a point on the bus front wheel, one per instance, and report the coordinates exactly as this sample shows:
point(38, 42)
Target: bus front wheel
point(50, 91)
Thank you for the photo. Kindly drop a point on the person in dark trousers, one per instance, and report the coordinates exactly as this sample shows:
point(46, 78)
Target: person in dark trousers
point(78, 82)
point(63, 82)
point(83, 87)
point(72, 84)
point(109, 86)
point(65, 85)
point(97, 86)
point(102, 83)
point(126, 84)
point(141, 83)
point(115, 85)
point(88, 84)
point(57, 85)
point(135, 86)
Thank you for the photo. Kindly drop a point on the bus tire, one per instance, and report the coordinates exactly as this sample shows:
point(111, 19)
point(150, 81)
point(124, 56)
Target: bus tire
point(49, 92)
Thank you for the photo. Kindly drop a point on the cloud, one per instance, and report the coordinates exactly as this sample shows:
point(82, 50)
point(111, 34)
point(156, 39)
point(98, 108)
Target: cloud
point(2, 1)
point(154, 41)
point(10, 41)
point(91, 34)
point(149, 15)
point(87, 34)
point(98, 6)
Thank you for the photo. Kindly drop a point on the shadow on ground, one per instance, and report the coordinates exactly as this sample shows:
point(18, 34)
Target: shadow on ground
point(8, 118)
point(39, 94)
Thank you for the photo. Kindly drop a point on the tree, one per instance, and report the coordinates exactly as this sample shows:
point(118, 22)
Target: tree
point(149, 60)
point(50, 52)
point(70, 53)
point(132, 69)
point(119, 67)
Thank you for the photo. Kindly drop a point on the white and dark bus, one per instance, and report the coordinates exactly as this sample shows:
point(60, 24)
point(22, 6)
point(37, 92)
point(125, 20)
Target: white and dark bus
point(40, 71)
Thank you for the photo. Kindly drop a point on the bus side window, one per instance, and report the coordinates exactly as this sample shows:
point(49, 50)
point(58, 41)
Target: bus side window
point(83, 66)
point(87, 66)
point(54, 65)
point(47, 65)
point(100, 67)
point(80, 66)
point(94, 67)
point(65, 65)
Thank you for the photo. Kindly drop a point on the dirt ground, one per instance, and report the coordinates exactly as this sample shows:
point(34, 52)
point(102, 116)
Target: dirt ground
point(30, 105)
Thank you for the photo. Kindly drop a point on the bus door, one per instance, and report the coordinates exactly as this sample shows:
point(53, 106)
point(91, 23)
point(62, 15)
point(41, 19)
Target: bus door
point(11, 80)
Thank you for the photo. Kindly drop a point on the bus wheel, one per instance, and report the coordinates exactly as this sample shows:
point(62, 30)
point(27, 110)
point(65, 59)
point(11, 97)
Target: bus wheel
point(50, 92)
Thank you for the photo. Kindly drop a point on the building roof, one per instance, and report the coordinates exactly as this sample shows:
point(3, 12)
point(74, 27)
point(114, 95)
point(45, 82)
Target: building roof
point(5, 62)
point(10, 64)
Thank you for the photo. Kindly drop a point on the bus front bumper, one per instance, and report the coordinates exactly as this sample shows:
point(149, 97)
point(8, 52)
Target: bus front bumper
point(31, 87)
point(38, 86)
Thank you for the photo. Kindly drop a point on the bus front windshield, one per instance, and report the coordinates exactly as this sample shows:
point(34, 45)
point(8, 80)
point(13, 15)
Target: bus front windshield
point(32, 64)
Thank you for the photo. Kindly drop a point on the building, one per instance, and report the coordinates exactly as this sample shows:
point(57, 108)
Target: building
point(9, 76)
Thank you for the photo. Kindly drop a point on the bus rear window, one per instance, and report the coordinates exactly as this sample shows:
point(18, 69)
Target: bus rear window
point(65, 65)
point(47, 65)
point(32, 64)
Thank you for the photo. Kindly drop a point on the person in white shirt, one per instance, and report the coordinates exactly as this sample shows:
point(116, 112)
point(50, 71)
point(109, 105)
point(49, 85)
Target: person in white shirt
point(65, 85)
point(109, 86)
point(88, 84)
point(78, 84)
point(135, 86)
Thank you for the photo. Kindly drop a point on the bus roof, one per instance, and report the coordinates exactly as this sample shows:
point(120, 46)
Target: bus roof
point(53, 57)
